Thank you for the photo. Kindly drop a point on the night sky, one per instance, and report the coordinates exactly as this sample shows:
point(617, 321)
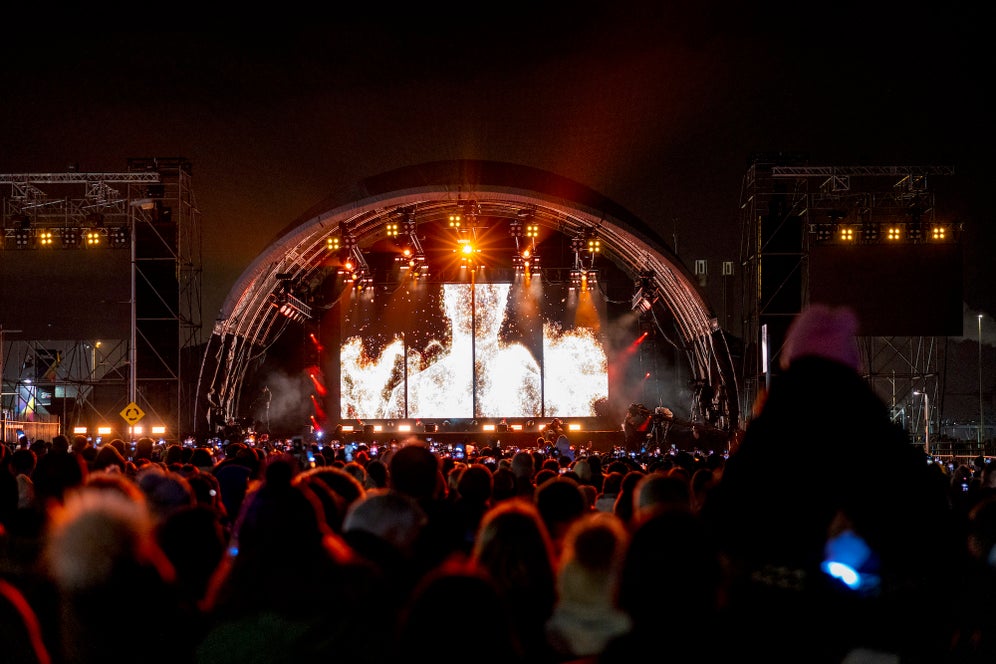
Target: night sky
point(659, 109)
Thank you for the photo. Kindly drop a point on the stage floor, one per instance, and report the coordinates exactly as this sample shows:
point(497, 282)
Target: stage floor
point(595, 441)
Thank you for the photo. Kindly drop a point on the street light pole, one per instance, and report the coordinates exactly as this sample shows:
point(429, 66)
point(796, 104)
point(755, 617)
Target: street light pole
point(982, 421)
point(926, 422)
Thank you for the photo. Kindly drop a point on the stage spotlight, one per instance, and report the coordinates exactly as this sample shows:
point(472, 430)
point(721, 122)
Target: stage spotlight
point(332, 243)
point(70, 238)
point(45, 238)
point(23, 238)
point(913, 231)
point(645, 295)
point(870, 232)
point(118, 237)
point(93, 238)
point(938, 233)
point(408, 222)
point(290, 306)
point(846, 234)
point(894, 234)
point(594, 245)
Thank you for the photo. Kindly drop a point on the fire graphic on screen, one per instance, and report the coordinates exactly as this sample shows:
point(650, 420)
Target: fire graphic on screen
point(471, 350)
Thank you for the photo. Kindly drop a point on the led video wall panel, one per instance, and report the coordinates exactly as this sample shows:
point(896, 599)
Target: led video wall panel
point(485, 350)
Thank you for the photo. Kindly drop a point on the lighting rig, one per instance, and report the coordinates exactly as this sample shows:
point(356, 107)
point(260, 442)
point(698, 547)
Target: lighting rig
point(352, 264)
point(525, 231)
point(585, 247)
point(404, 233)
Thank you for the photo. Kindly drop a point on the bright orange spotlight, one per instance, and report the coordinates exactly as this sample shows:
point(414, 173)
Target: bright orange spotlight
point(467, 249)
point(318, 386)
point(636, 343)
point(318, 407)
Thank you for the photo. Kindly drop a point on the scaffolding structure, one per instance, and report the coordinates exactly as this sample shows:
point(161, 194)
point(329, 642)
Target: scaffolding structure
point(787, 207)
point(82, 354)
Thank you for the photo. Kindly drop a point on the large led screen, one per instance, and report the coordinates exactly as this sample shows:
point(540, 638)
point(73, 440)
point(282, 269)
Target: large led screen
point(485, 350)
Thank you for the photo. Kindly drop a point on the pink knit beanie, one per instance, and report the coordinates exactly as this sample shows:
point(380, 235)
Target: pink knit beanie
point(823, 331)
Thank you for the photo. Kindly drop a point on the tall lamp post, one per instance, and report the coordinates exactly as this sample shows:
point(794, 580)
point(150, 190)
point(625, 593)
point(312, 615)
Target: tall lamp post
point(926, 421)
point(982, 421)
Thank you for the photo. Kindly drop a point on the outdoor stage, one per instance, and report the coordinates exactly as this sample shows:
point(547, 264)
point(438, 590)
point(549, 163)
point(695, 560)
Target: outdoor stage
point(479, 363)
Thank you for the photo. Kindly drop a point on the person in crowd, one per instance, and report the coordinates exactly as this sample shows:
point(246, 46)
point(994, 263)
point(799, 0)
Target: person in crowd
point(514, 547)
point(636, 427)
point(416, 472)
point(606, 498)
point(194, 539)
point(345, 490)
point(505, 483)
point(560, 503)
point(702, 480)
point(165, 490)
point(288, 589)
point(202, 458)
point(661, 490)
point(974, 612)
point(234, 473)
point(626, 498)
point(377, 475)
point(475, 490)
point(587, 614)
point(57, 472)
point(22, 464)
point(101, 555)
point(595, 465)
point(800, 486)
point(672, 579)
point(108, 456)
point(384, 527)
point(524, 468)
point(440, 619)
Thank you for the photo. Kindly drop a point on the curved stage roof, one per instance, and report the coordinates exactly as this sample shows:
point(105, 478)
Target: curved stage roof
point(492, 193)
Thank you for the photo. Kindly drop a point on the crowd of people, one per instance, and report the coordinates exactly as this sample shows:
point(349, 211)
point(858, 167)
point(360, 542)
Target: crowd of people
point(833, 543)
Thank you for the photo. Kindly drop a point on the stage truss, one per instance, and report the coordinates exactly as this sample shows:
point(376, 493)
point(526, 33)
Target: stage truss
point(787, 205)
point(145, 218)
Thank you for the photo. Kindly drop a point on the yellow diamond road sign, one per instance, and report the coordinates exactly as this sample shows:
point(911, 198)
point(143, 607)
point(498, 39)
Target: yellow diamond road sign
point(132, 413)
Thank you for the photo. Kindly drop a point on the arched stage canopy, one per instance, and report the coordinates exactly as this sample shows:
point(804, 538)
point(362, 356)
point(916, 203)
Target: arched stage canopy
point(249, 322)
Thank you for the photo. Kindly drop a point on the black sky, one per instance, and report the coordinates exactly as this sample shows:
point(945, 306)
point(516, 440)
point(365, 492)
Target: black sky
point(657, 108)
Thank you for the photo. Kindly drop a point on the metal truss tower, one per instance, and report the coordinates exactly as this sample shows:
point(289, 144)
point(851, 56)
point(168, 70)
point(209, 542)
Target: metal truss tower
point(788, 207)
point(103, 285)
